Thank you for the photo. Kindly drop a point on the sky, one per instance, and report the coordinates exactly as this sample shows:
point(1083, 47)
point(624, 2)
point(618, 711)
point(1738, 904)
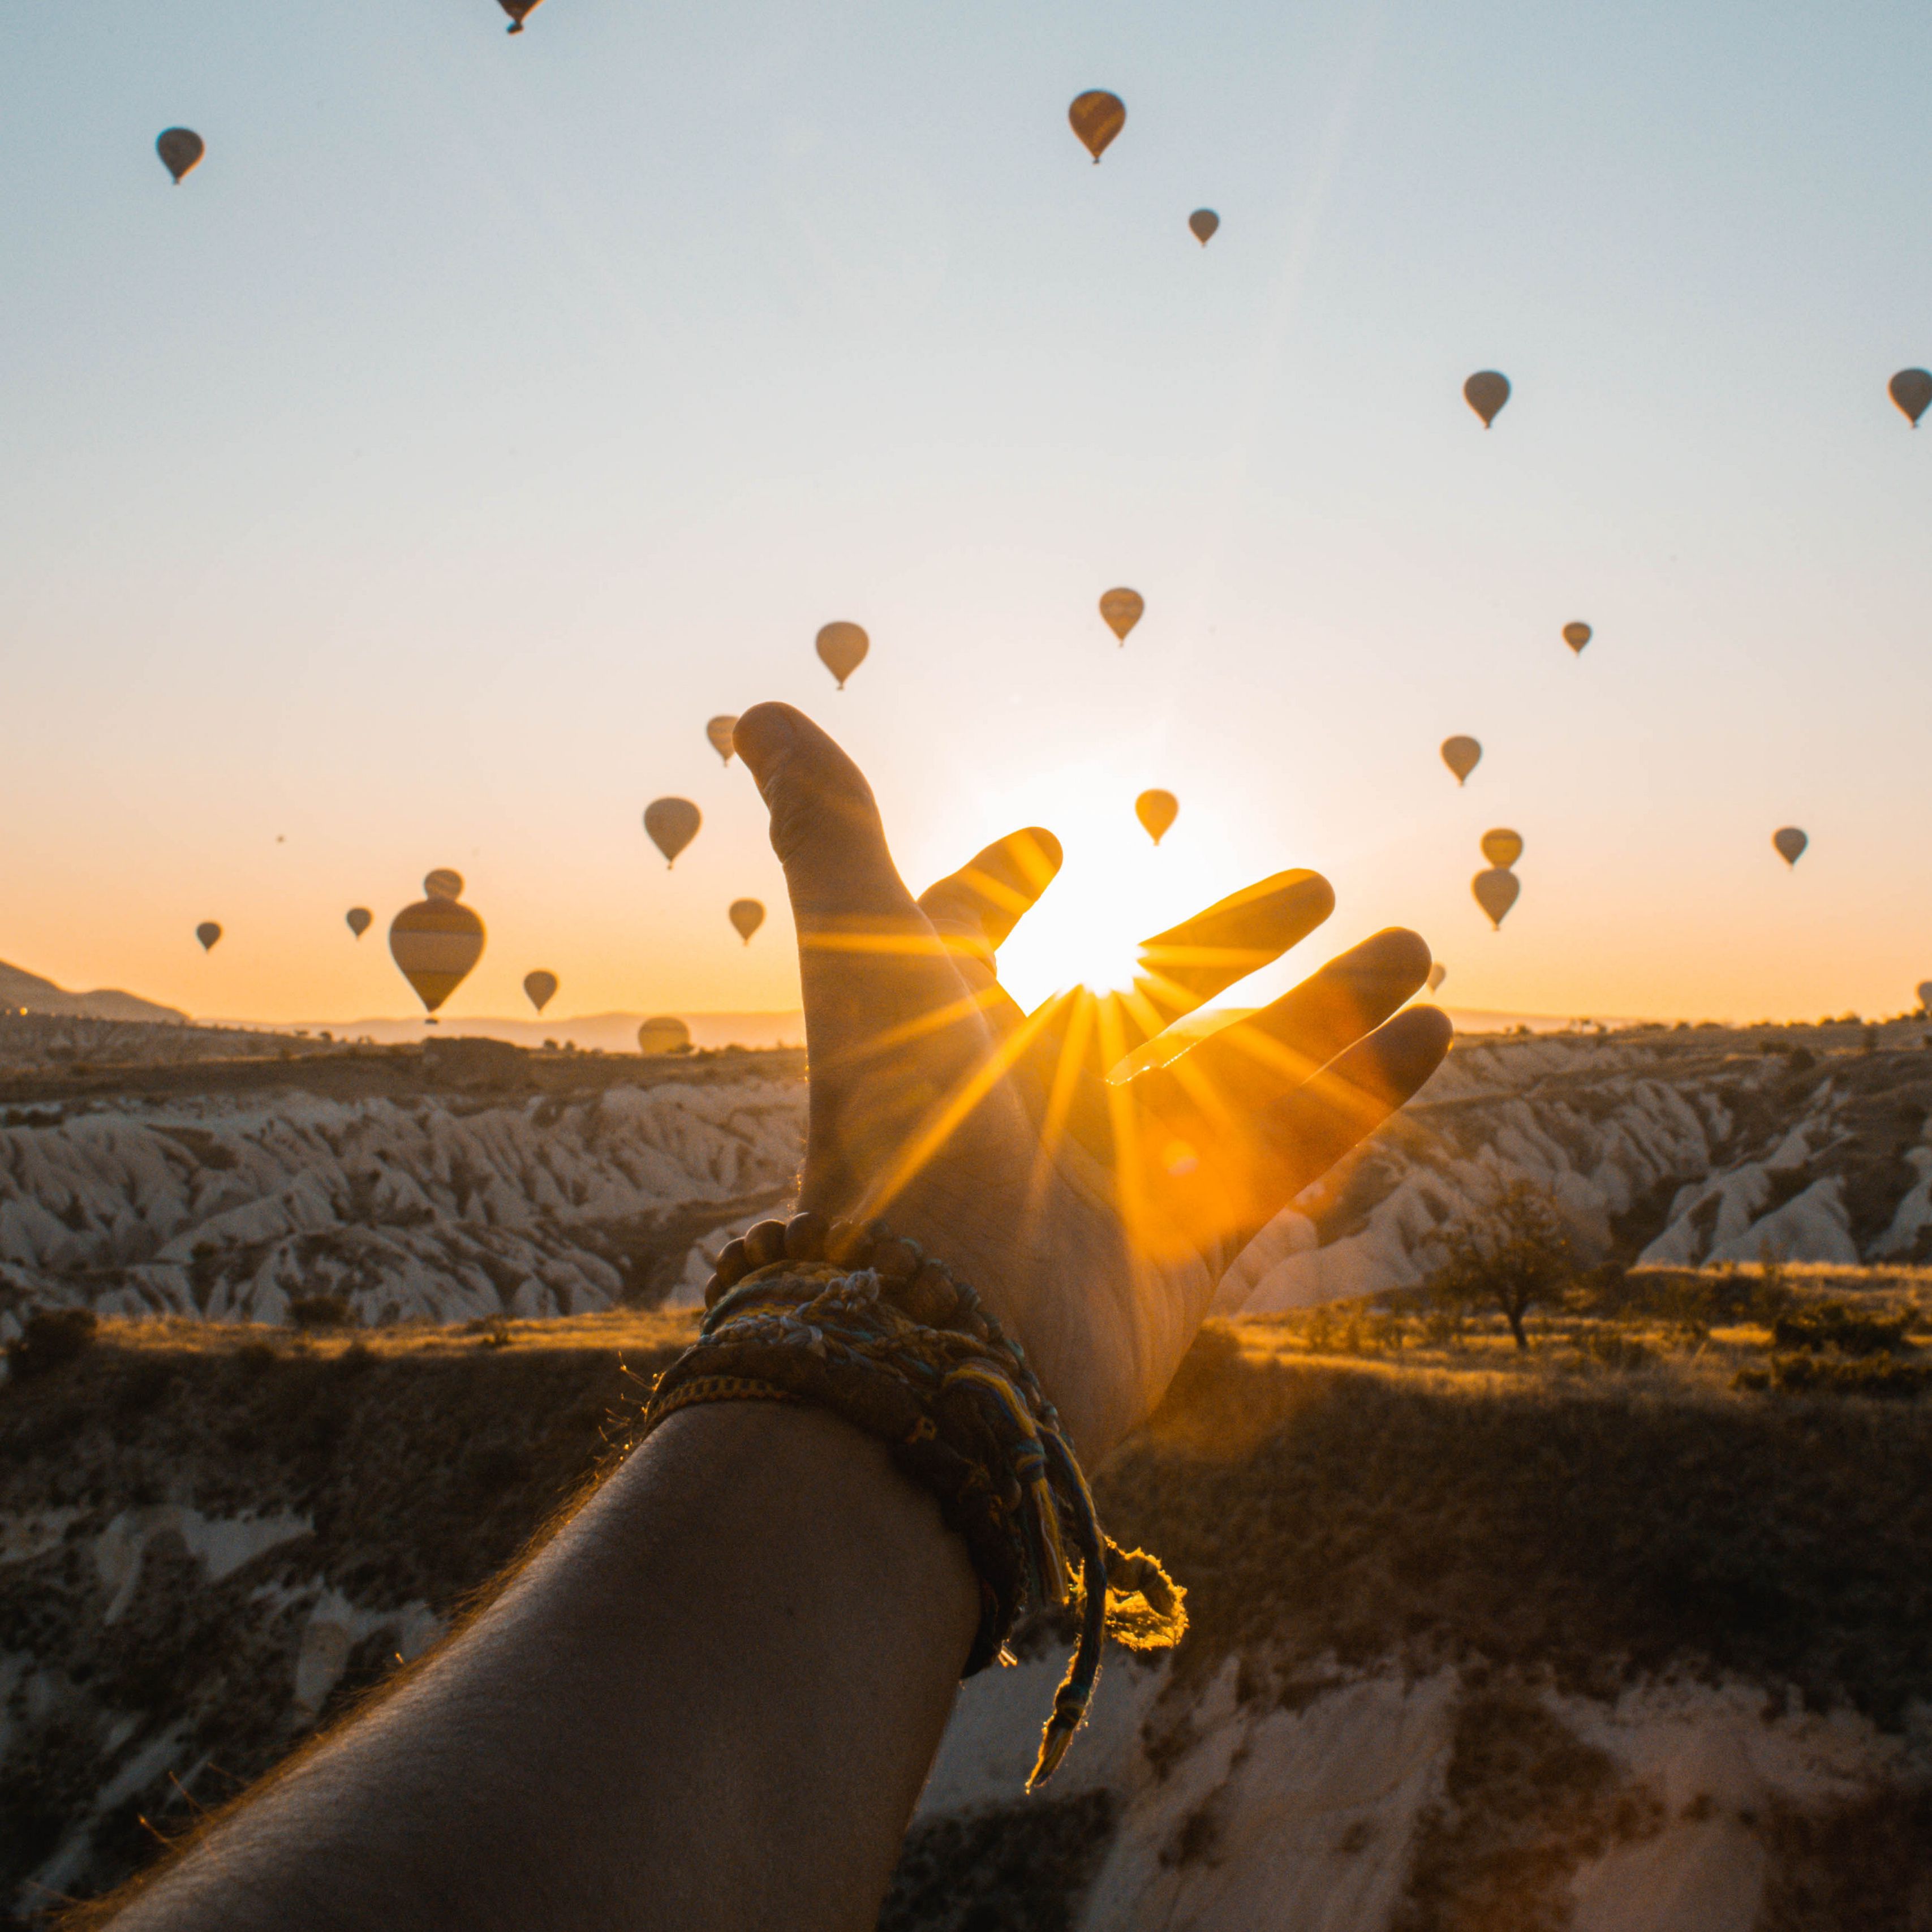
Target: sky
point(408, 486)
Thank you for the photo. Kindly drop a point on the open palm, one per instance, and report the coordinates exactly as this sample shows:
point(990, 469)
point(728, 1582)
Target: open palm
point(1095, 1214)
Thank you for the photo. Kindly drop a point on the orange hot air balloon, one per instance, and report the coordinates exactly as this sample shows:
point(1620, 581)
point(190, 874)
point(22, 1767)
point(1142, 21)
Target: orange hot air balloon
point(1502, 847)
point(665, 1034)
point(1097, 116)
point(673, 824)
point(444, 883)
point(1156, 811)
point(1576, 636)
point(1790, 843)
point(747, 915)
point(1486, 392)
point(180, 148)
point(842, 649)
point(1437, 974)
point(1461, 755)
point(360, 919)
point(436, 942)
point(1122, 609)
point(718, 730)
point(1495, 892)
point(1203, 222)
point(1911, 391)
point(519, 11)
point(539, 988)
point(208, 932)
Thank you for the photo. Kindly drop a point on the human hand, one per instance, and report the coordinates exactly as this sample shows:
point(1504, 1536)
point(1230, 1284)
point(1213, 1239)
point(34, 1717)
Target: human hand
point(1093, 1216)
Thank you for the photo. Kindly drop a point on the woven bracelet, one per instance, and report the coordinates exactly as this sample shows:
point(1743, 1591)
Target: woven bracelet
point(850, 1319)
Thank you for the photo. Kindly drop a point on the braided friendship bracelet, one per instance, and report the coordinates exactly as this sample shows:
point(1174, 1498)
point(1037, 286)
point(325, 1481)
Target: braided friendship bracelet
point(850, 1319)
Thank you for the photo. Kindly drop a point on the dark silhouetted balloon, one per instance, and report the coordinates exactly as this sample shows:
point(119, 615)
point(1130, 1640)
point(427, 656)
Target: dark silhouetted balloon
point(718, 730)
point(1097, 117)
point(1502, 847)
point(842, 649)
point(1911, 391)
point(1122, 609)
point(1486, 392)
point(444, 883)
point(666, 1033)
point(180, 148)
point(1495, 891)
point(519, 11)
point(1790, 843)
point(360, 919)
point(1925, 995)
point(436, 942)
point(1576, 636)
point(1156, 811)
point(208, 932)
point(1204, 221)
point(673, 823)
point(1437, 974)
point(539, 988)
point(747, 915)
point(1461, 755)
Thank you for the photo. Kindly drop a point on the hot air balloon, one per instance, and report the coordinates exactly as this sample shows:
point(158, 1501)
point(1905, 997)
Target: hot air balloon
point(1911, 391)
point(842, 649)
point(360, 919)
point(1097, 117)
point(718, 730)
point(1925, 995)
point(539, 988)
point(1576, 636)
point(1156, 811)
point(1122, 609)
point(444, 883)
point(179, 148)
point(1204, 221)
point(673, 823)
point(519, 11)
point(208, 932)
point(747, 915)
point(436, 942)
point(1502, 847)
point(1790, 843)
point(1495, 892)
point(1437, 974)
point(1486, 392)
point(666, 1033)
point(1461, 755)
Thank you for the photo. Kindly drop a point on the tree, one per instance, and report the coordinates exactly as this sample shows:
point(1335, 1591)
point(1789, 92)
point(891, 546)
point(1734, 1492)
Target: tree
point(1512, 1258)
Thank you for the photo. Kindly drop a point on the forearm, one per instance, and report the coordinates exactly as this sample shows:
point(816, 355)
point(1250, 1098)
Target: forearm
point(710, 1701)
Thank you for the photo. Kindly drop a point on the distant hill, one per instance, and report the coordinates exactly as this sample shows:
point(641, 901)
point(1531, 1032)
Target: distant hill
point(28, 992)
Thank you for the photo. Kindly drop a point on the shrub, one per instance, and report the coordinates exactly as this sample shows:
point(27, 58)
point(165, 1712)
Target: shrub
point(320, 1311)
point(1884, 1376)
point(49, 1337)
point(1843, 1327)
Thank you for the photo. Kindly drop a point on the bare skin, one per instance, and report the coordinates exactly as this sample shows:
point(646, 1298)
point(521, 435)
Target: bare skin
point(711, 1699)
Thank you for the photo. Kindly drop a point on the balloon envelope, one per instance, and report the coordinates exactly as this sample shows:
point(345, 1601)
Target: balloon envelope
point(360, 919)
point(1495, 891)
point(1911, 391)
point(1486, 392)
point(443, 883)
point(718, 730)
point(747, 915)
point(539, 988)
point(436, 942)
point(1925, 994)
point(666, 1033)
point(1097, 117)
point(1204, 221)
point(1461, 755)
point(1437, 974)
point(1577, 635)
point(1502, 847)
point(842, 649)
point(1122, 609)
point(1790, 843)
point(1156, 811)
point(519, 11)
point(673, 823)
point(208, 932)
point(179, 148)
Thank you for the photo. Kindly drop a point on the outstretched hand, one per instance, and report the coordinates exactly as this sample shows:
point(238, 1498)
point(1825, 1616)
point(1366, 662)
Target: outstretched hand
point(1095, 1215)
